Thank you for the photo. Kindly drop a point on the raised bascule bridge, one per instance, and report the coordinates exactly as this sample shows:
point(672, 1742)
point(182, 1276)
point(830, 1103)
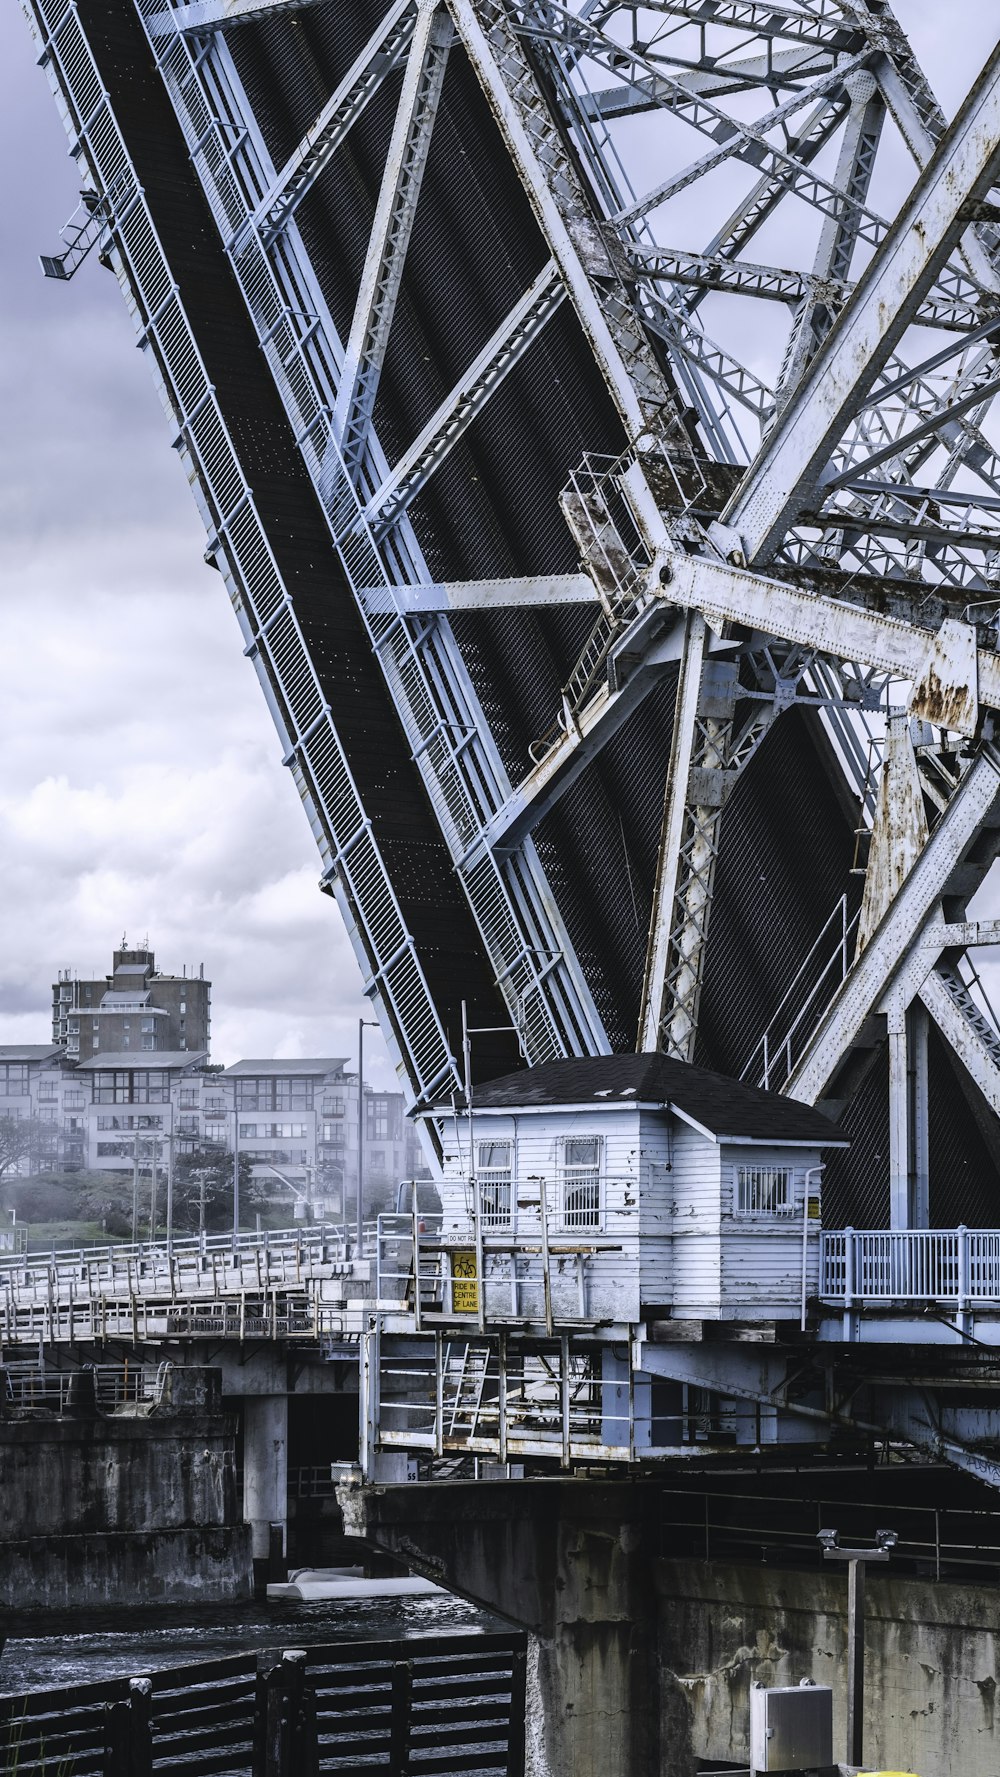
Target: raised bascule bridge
point(591, 410)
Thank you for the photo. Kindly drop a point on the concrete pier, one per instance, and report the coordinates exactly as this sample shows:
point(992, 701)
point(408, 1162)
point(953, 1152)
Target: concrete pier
point(573, 1564)
point(265, 1483)
point(108, 1509)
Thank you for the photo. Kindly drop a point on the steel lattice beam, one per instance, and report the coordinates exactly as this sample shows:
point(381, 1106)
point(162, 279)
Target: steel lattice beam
point(962, 169)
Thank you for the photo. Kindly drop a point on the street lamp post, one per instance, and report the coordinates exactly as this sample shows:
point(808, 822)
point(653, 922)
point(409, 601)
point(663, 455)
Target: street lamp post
point(885, 1542)
point(363, 1024)
point(236, 1164)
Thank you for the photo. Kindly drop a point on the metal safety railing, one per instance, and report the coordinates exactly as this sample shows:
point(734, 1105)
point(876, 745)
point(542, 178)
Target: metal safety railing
point(268, 1314)
point(725, 1525)
point(116, 1387)
point(804, 1001)
point(526, 1252)
point(489, 1397)
point(952, 1266)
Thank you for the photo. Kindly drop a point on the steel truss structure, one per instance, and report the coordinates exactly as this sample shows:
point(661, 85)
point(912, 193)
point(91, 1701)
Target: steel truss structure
point(535, 527)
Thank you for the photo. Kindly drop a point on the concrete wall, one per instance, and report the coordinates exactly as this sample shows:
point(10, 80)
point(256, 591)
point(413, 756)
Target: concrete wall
point(118, 1509)
point(931, 1662)
point(114, 1475)
point(58, 1573)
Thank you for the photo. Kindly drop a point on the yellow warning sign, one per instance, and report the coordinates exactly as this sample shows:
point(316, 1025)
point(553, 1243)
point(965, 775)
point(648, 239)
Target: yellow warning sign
point(464, 1293)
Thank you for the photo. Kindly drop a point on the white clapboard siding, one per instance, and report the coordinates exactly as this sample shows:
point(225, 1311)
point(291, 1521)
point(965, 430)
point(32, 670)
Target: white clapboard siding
point(762, 1254)
point(671, 1234)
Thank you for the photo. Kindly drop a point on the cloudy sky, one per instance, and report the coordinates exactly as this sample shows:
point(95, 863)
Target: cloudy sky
point(141, 789)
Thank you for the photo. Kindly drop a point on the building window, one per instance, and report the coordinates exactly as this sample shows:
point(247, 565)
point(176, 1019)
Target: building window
point(123, 1086)
point(763, 1190)
point(73, 1101)
point(271, 1094)
point(581, 1184)
point(383, 1116)
point(14, 1079)
point(493, 1163)
point(147, 1024)
point(187, 1100)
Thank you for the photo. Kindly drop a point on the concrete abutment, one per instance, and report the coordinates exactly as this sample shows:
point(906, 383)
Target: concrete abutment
point(569, 1562)
point(641, 1661)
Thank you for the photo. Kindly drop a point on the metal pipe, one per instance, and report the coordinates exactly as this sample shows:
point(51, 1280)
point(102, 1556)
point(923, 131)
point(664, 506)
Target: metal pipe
point(359, 1199)
point(811, 1172)
point(855, 1660)
point(236, 1164)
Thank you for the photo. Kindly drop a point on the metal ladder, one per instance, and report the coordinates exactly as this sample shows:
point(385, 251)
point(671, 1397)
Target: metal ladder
point(470, 1386)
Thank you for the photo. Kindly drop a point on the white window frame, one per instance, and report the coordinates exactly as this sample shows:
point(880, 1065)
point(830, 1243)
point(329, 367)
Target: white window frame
point(585, 1215)
point(496, 1183)
point(763, 1192)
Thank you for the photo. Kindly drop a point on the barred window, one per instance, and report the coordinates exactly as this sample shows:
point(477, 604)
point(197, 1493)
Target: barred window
point(581, 1194)
point(493, 1168)
point(763, 1190)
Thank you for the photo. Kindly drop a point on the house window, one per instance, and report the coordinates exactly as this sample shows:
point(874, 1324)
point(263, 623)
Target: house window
point(493, 1163)
point(581, 1183)
point(763, 1190)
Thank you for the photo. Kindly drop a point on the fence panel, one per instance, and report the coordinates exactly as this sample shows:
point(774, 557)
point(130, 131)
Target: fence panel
point(425, 1707)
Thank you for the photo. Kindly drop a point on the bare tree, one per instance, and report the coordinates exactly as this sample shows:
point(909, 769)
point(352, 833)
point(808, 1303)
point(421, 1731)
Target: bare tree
point(22, 1138)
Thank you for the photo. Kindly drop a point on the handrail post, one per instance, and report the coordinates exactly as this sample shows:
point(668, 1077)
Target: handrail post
point(416, 1265)
point(285, 1739)
point(963, 1268)
point(848, 1267)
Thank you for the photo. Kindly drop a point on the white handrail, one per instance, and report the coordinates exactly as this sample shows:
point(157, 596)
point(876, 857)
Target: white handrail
point(955, 1266)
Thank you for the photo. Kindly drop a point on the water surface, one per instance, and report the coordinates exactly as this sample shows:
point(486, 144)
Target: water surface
point(113, 1644)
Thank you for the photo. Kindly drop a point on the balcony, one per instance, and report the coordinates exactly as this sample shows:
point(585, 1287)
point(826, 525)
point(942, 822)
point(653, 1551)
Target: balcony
point(951, 1267)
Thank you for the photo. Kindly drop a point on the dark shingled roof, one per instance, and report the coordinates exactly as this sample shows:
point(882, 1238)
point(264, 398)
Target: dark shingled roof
point(725, 1107)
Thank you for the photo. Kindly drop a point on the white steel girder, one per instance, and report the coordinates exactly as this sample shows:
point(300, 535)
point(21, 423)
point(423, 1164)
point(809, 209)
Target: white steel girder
point(395, 213)
point(506, 347)
point(382, 53)
point(221, 15)
point(880, 966)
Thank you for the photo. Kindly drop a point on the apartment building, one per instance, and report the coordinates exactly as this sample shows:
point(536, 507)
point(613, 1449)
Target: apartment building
point(296, 1120)
point(135, 1007)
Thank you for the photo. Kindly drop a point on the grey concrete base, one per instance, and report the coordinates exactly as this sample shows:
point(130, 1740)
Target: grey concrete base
point(204, 1566)
point(572, 1563)
point(932, 1660)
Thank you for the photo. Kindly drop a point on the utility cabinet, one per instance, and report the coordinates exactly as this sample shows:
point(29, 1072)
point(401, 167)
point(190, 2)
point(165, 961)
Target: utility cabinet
point(791, 1728)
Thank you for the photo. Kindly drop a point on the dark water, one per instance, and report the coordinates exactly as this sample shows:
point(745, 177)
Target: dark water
point(107, 1644)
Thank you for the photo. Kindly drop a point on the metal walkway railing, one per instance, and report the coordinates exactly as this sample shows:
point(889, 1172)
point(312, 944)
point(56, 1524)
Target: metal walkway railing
point(954, 1266)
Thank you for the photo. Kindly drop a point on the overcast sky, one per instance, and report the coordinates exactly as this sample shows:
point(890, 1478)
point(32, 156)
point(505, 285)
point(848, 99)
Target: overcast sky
point(141, 788)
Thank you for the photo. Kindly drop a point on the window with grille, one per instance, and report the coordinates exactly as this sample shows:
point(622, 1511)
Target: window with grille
point(581, 1195)
point(763, 1190)
point(494, 1173)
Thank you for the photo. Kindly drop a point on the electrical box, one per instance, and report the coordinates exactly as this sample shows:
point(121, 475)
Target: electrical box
point(791, 1728)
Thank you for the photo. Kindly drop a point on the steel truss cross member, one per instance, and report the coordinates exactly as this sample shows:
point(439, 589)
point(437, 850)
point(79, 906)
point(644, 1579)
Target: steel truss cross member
point(382, 53)
point(952, 864)
point(789, 466)
point(457, 411)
